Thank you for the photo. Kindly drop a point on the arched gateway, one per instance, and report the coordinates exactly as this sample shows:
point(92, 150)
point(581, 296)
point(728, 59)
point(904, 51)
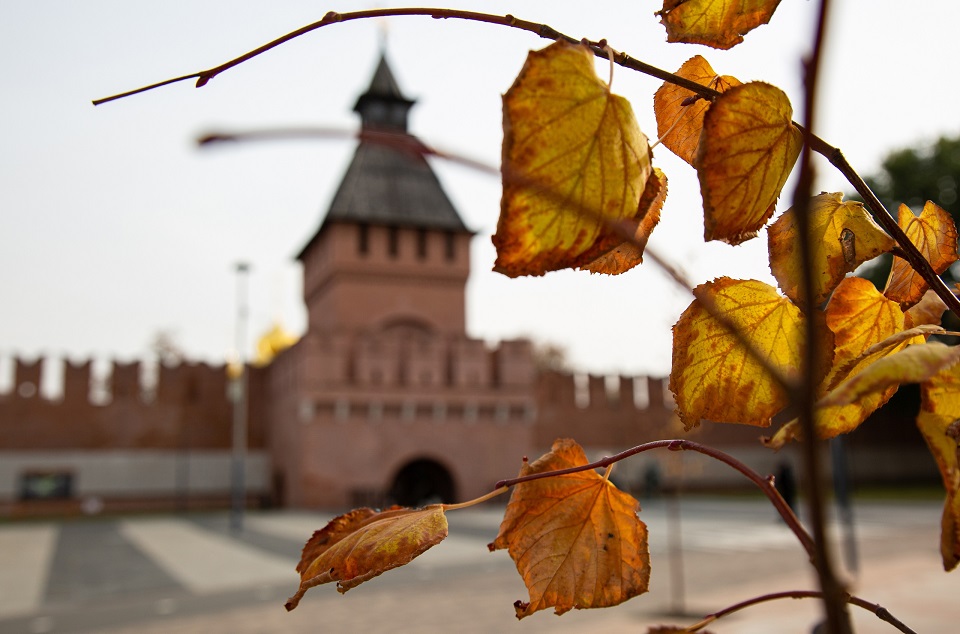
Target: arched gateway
point(422, 481)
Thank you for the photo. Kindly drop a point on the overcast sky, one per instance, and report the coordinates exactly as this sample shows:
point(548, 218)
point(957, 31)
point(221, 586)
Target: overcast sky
point(116, 227)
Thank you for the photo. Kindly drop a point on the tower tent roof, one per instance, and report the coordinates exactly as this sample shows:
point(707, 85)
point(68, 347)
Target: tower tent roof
point(392, 186)
point(389, 183)
point(383, 84)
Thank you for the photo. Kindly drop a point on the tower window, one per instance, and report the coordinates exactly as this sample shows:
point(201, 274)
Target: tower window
point(363, 239)
point(451, 246)
point(393, 242)
point(422, 244)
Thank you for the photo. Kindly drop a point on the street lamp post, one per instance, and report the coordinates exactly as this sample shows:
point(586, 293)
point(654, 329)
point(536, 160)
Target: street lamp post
point(238, 389)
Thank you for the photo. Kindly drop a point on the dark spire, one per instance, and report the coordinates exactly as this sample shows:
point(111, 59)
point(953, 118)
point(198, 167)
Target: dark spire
point(383, 106)
point(388, 183)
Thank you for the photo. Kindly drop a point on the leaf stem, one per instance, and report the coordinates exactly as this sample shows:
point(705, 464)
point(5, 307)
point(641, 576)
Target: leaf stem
point(881, 613)
point(766, 485)
point(480, 500)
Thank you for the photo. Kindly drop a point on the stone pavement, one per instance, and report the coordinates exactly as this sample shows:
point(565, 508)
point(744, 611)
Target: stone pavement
point(153, 574)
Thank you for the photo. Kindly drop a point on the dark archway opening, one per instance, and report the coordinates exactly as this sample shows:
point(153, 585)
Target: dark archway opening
point(422, 482)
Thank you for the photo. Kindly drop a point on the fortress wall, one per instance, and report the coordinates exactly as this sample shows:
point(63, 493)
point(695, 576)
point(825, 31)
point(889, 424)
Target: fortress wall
point(187, 406)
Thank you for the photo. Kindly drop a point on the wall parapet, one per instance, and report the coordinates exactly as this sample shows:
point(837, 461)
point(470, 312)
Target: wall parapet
point(82, 382)
point(121, 405)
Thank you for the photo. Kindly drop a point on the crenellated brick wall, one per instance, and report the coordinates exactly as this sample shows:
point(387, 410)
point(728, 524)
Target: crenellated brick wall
point(186, 405)
point(335, 418)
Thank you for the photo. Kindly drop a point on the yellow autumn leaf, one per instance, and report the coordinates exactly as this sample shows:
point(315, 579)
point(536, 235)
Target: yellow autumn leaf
point(747, 150)
point(843, 412)
point(928, 311)
point(866, 327)
point(576, 538)
point(842, 237)
point(910, 336)
point(364, 543)
point(574, 161)
point(715, 23)
point(913, 364)
point(713, 375)
point(680, 114)
point(859, 316)
point(935, 235)
point(844, 368)
point(630, 253)
point(939, 413)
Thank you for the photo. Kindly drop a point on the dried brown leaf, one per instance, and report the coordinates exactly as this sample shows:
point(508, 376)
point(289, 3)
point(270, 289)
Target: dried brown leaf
point(576, 538)
point(365, 543)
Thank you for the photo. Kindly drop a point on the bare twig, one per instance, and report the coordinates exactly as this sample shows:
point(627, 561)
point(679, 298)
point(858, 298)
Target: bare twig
point(332, 17)
point(905, 248)
point(881, 613)
point(837, 616)
point(764, 484)
point(624, 229)
point(882, 215)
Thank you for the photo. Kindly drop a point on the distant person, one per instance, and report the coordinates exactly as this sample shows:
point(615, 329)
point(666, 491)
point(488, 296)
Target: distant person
point(651, 481)
point(786, 485)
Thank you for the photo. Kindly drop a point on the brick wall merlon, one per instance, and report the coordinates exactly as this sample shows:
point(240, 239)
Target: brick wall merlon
point(626, 391)
point(656, 394)
point(125, 381)
point(192, 383)
point(76, 381)
point(26, 377)
point(599, 396)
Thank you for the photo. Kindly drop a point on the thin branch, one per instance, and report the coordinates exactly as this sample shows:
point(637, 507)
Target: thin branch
point(764, 484)
point(480, 500)
point(906, 249)
point(804, 399)
point(882, 215)
point(625, 229)
point(543, 30)
point(881, 613)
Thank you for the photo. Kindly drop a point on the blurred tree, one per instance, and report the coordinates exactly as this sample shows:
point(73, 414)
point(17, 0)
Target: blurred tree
point(165, 347)
point(550, 356)
point(913, 176)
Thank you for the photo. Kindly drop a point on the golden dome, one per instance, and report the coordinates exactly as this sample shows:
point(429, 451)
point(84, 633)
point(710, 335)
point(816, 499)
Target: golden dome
point(272, 343)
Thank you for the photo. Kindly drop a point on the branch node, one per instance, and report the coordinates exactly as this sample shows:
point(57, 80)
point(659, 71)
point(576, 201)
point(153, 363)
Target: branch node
point(549, 33)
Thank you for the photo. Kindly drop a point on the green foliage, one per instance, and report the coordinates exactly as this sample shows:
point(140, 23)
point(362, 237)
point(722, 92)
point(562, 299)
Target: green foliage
point(913, 176)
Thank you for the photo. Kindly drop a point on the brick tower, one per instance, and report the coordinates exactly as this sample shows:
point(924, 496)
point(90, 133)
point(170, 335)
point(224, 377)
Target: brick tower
point(386, 398)
point(392, 251)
